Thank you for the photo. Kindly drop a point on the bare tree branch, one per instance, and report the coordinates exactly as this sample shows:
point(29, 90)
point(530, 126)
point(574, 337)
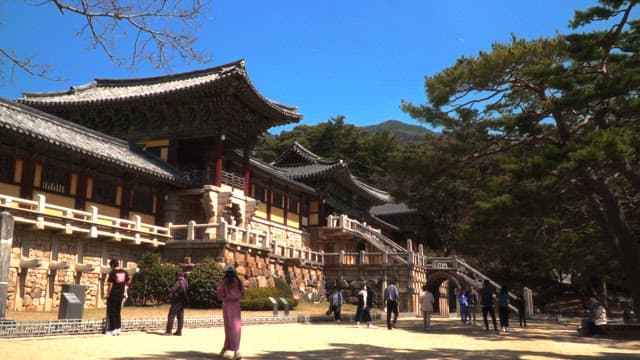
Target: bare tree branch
point(163, 30)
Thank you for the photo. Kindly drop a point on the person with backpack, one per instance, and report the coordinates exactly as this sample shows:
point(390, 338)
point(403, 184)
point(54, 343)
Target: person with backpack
point(179, 299)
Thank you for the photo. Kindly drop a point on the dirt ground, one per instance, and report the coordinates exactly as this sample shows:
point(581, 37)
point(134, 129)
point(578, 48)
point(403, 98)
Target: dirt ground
point(448, 339)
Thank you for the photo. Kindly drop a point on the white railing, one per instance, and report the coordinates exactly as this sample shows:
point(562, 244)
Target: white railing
point(254, 238)
point(375, 258)
point(372, 235)
point(43, 216)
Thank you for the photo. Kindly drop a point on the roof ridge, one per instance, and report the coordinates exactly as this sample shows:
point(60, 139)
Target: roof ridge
point(238, 66)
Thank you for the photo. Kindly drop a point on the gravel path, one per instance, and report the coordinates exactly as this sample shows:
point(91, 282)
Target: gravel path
point(448, 339)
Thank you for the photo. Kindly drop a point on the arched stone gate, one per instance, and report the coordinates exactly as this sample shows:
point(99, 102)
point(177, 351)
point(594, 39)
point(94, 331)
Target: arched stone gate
point(443, 285)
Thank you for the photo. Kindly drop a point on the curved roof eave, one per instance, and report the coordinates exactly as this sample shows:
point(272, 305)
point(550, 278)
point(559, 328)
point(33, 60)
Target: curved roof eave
point(25, 121)
point(276, 172)
point(102, 91)
point(305, 153)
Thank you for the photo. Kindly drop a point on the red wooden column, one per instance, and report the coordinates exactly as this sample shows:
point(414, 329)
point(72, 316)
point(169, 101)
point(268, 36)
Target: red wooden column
point(217, 181)
point(246, 171)
point(125, 201)
point(28, 174)
point(81, 191)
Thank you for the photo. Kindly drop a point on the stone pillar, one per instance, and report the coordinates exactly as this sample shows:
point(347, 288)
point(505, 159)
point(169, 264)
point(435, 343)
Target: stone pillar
point(443, 299)
point(6, 240)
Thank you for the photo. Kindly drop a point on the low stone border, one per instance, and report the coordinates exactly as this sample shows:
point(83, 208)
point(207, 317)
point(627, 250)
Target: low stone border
point(19, 329)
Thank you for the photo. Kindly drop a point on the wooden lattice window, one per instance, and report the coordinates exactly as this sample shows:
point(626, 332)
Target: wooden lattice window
point(278, 200)
point(259, 193)
point(104, 192)
point(294, 206)
point(6, 168)
point(142, 201)
point(55, 179)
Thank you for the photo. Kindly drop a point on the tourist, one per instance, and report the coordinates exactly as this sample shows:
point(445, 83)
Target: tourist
point(363, 309)
point(464, 307)
point(503, 308)
point(391, 298)
point(230, 291)
point(178, 296)
point(597, 316)
point(426, 306)
point(335, 304)
point(486, 301)
point(472, 298)
point(117, 281)
point(522, 315)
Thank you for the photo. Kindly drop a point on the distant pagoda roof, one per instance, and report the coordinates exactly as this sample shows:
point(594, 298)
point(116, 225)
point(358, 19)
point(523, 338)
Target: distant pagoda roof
point(274, 172)
point(24, 121)
point(301, 164)
point(231, 77)
point(391, 209)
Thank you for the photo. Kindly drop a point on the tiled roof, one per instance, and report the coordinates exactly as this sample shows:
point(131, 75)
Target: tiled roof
point(314, 166)
point(112, 90)
point(23, 120)
point(306, 155)
point(391, 209)
point(274, 171)
point(311, 170)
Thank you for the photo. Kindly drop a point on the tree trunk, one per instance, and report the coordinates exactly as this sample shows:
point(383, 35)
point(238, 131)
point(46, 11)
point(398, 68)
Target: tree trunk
point(622, 240)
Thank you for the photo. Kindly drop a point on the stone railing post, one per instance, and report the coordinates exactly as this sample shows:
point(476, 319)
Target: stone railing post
point(191, 230)
point(222, 231)
point(42, 204)
point(341, 257)
point(138, 227)
point(6, 240)
point(93, 233)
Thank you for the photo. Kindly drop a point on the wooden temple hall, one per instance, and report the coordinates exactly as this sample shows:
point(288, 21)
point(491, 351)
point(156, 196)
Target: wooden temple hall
point(117, 168)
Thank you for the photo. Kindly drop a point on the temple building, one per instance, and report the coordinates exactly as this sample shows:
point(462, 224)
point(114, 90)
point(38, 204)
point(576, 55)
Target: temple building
point(118, 167)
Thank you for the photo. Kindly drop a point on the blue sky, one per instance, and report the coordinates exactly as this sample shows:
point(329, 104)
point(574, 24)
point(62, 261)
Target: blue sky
point(353, 58)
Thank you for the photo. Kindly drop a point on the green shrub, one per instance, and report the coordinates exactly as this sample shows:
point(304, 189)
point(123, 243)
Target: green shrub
point(150, 285)
point(203, 284)
point(285, 289)
point(258, 299)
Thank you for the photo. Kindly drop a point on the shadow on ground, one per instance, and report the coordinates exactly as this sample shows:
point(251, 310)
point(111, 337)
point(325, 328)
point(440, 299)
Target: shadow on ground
point(365, 351)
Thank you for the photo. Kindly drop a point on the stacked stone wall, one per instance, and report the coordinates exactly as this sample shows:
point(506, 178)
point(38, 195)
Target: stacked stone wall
point(39, 286)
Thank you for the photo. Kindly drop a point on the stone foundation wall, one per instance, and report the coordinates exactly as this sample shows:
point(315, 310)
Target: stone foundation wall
point(42, 262)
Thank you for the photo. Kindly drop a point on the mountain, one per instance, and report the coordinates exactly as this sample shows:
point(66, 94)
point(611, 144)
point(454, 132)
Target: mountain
point(403, 132)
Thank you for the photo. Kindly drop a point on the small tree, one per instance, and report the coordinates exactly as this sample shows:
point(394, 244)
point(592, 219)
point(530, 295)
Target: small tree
point(203, 284)
point(150, 285)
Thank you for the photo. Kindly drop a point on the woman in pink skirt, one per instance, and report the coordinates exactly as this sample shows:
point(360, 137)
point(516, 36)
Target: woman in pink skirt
point(230, 291)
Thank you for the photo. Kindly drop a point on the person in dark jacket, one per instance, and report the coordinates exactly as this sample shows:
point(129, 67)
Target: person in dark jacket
point(503, 308)
point(391, 298)
point(117, 281)
point(486, 301)
point(179, 299)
